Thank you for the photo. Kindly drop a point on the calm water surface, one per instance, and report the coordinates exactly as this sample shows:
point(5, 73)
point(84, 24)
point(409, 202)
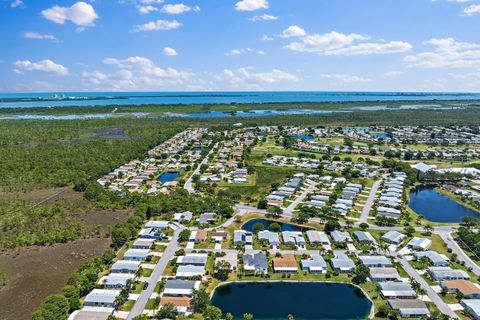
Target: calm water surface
point(303, 300)
point(169, 176)
point(58, 99)
point(437, 207)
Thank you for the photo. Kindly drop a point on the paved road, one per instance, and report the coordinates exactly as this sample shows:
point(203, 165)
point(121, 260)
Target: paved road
point(289, 211)
point(442, 306)
point(462, 256)
point(167, 255)
point(189, 185)
point(369, 203)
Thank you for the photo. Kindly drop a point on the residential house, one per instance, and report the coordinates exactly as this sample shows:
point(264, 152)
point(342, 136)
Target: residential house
point(125, 266)
point(101, 298)
point(285, 264)
point(342, 263)
point(409, 308)
point(435, 259)
point(255, 262)
point(315, 264)
point(393, 237)
point(447, 273)
point(420, 244)
point(397, 290)
point(469, 289)
point(375, 261)
point(384, 274)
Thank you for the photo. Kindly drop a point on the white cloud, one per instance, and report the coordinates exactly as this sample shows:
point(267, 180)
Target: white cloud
point(46, 65)
point(447, 53)
point(263, 17)
point(266, 37)
point(336, 43)
point(393, 73)
point(247, 77)
point(39, 36)
point(237, 52)
point(146, 9)
point(178, 8)
point(472, 10)
point(346, 78)
point(158, 25)
point(81, 14)
point(251, 5)
point(170, 52)
point(17, 4)
point(151, 1)
point(135, 73)
point(293, 31)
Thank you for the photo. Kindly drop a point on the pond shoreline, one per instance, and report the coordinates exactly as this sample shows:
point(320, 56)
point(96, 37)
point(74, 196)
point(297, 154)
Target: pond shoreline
point(371, 314)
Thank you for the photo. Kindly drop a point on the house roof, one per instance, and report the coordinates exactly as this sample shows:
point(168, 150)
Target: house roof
point(176, 301)
point(464, 286)
point(286, 261)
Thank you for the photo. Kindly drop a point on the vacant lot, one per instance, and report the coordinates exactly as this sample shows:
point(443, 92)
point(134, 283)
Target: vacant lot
point(34, 273)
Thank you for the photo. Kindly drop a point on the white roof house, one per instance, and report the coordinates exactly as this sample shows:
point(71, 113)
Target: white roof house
point(316, 264)
point(157, 224)
point(419, 243)
point(340, 236)
point(125, 266)
point(447, 273)
point(136, 254)
point(179, 287)
point(473, 307)
point(436, 259)
point(393, 237)
point(116, 280)
point(101, 298)
point(189, 271)
point(375, 261)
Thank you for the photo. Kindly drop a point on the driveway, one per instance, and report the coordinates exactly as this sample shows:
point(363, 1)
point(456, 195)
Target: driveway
point(368, 205)
point(145, 295)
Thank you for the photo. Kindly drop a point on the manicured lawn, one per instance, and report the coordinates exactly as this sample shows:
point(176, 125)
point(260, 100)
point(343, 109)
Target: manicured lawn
point(128, 305)
point(146, 272)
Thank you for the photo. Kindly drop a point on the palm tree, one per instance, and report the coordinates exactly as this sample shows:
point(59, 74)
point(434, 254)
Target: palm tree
point(247, 316)
point(349, 224)
point(229, 316)
point(428, 229)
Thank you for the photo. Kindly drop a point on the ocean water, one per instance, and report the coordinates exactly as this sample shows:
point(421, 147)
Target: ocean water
point(58, 99)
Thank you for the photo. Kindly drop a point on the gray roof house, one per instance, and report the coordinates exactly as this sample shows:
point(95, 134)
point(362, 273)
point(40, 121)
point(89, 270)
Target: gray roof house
point(436, 259)
point(116, 280)
point(206, 218)
point(101, 298)
point(447, 273)
point(409, 308)
point(143, 244)
point(271, 237)
point(194, 259)
point(364, 237)
point(125, 266)
point(255, 262)
point(242, 237)
point(316, 264)
point(189, 271)
point(317, 237)
point(375, 261)
point(342, 263)
point(397, 290)
point(384, 274)
point(419, 243)
point(136, 254)
point(293, 237)
point(183, 216)
point(393, 237)
point(340, 236)
point(178, 287)
point(162, 225)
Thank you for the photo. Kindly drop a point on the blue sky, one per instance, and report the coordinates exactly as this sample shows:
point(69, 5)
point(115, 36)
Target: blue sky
point(164, 45)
